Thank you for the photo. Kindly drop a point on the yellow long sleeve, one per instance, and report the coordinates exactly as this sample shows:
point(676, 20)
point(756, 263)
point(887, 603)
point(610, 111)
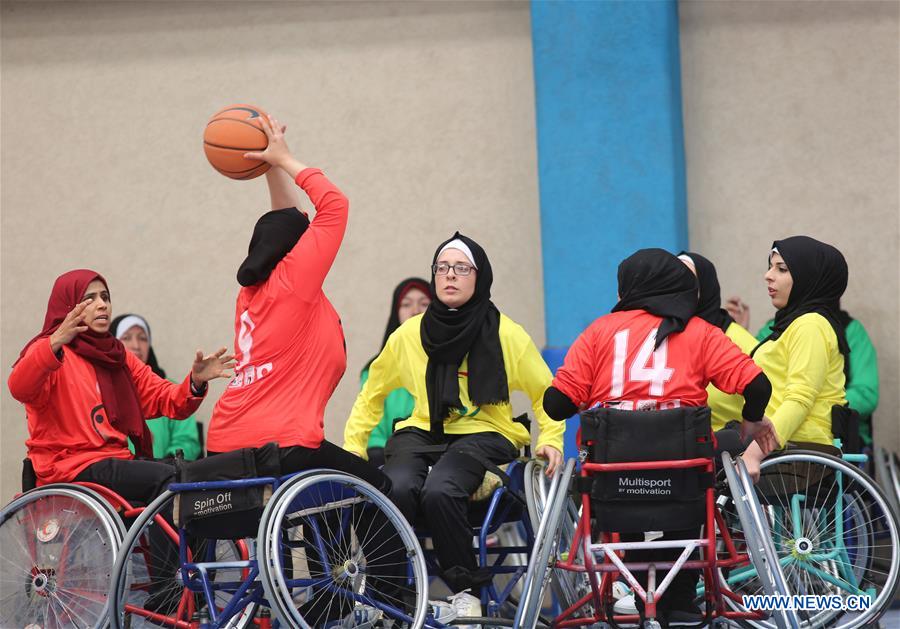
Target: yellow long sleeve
point(806, 369)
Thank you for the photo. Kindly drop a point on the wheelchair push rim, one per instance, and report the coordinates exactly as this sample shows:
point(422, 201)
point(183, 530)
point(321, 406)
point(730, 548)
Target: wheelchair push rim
point(323, 543)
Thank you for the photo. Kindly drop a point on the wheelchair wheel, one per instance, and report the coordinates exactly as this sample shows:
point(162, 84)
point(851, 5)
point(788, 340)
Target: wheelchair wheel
point(886, 480)
point(758, 538)
point(57, 545)
point(147, 587)
point(546, 549)
point(834, 534)
point(333, 550)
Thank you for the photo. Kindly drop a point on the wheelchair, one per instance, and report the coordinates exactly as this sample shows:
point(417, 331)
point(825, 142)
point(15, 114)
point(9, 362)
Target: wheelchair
point(834, 532)
point(887, 473)
point(58, 545)
point(327, 550)
point(640, 471)
point(813, 525)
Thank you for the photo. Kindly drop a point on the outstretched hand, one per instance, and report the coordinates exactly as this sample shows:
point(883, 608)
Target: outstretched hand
point(72, 326)
point(206, 368)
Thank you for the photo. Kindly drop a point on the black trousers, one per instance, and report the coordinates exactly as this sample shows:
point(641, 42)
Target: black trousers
point(138, 481)
point(440, 498)
point(330, 456)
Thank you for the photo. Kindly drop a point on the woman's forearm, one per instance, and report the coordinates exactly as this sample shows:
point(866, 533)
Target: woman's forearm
point(283, 192)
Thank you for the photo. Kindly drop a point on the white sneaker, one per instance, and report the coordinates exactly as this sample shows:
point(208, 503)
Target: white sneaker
point(442, 611)
point(625, 606)
point(466, 606)
point(362, 617)
point(620, 589)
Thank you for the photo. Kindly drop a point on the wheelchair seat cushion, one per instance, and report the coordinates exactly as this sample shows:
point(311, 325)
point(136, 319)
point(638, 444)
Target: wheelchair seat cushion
point(226, 513)
point(489, 485)
point(643, 500)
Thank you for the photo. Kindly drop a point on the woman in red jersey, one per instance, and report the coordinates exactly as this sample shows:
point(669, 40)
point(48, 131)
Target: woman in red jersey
point(289, 344)
point(651, 352)
point(291, 354)
point(85, 395)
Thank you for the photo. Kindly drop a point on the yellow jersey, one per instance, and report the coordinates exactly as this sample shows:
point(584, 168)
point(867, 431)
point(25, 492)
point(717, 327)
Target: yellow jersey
point(806, 369)
point(402, 363)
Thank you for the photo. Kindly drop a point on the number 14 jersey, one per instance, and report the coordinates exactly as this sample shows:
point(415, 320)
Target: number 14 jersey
point(614, 363)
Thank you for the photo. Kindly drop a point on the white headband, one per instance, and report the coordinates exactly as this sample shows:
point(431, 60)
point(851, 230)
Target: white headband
point(456, 243)
point(686, 259)
point(129, 322)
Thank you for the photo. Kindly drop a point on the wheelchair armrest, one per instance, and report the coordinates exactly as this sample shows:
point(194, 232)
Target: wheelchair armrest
point(728, 440)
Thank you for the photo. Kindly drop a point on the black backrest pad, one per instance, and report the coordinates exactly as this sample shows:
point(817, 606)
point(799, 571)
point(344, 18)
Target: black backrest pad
point(648, 500)
point(226, 513)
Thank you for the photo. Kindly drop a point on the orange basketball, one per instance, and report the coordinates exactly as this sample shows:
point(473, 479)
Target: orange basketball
point(229, 134)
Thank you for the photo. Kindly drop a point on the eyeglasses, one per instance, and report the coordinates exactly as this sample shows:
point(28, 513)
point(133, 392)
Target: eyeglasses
point(459, 269)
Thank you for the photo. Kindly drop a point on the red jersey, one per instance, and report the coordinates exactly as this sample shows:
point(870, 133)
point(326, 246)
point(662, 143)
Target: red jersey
point(289, 344)
point(67, 424)
point(613, 363)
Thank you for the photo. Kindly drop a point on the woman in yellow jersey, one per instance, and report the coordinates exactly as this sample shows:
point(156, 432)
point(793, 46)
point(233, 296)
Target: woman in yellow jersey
point(459, 360)
point(804, 355)
point(725, 407)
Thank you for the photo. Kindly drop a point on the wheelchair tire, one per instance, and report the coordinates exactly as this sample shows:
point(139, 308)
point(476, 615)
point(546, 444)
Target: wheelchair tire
point(58, 544)
point(822, 554)
point(546, 548)
point(318, 528)
point(142, 553)
point(536, 489)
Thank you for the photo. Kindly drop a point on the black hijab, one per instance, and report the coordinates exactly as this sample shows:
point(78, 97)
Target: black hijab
point(449, 334)
point(709, 307)
point(400, 291)
point(151, 356)
point(819, 272)
point(656, 281)
point(274, 235)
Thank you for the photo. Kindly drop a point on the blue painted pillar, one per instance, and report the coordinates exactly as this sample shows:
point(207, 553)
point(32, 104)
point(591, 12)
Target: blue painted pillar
point(610, 151)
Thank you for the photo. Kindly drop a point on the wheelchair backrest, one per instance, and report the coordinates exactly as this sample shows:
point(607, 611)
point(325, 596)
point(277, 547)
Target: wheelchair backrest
point(227, 513)
point(645, 500)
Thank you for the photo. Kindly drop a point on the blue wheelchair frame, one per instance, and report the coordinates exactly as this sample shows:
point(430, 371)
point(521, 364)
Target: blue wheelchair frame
point(198, 573)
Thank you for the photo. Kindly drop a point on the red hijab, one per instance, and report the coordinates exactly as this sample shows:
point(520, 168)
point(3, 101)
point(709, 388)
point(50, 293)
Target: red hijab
point(105, 353)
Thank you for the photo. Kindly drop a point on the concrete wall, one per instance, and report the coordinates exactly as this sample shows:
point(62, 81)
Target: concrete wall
point(791, 127)
point(423, 113)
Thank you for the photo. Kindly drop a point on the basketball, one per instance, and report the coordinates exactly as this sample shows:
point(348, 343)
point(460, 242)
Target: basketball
point(229, 134)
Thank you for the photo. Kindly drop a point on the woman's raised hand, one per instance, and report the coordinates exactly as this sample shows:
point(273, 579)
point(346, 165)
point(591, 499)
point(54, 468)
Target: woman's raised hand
point(277, 152)
point(739, 311)
point(206, 368)
point(71, 327)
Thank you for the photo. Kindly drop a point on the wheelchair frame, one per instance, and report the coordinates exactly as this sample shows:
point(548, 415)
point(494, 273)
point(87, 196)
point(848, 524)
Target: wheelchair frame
point(582, 557)
point(260, 580)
